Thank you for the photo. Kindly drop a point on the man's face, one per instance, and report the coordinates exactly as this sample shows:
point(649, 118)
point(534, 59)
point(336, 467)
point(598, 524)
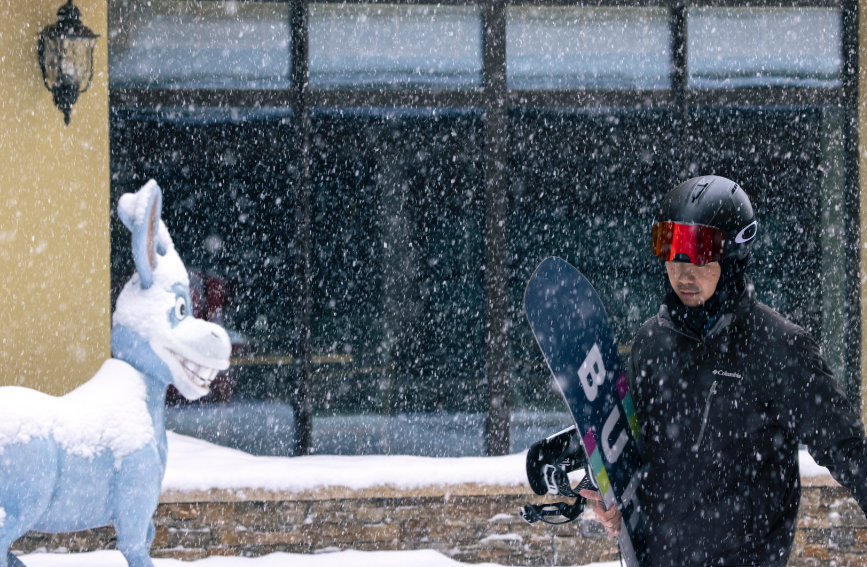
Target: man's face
point(693, 284)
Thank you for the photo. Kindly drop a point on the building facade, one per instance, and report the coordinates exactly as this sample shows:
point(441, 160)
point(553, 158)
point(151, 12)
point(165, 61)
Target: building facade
point(361, 191)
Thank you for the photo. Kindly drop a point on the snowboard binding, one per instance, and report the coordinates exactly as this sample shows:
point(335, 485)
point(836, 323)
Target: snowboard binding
point(548, 464)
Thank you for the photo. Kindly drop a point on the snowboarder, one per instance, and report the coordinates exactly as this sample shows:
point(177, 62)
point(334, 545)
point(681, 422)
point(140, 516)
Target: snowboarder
point(725, 389)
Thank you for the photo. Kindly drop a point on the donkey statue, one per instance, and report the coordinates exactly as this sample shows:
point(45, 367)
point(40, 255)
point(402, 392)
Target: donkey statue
point(96, 456)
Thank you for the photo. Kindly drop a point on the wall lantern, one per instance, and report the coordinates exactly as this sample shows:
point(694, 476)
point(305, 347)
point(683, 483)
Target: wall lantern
point(66, 58)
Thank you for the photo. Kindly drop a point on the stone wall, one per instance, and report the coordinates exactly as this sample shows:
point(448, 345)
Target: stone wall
point(470, 524)
point(832, 530)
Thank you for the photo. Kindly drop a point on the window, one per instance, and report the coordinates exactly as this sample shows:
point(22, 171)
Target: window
point(365, 232)
point(186, 44)
point(567, 47)
point(759, 47)
point(395, 46)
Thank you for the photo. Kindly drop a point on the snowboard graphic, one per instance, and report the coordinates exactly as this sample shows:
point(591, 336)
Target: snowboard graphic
point(571, 327)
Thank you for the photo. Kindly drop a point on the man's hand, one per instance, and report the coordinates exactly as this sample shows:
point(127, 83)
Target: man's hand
point(610, 518)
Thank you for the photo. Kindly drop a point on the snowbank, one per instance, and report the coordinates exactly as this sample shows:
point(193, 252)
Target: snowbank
point(419, 558)
point(195, 465)
point(198, 465)
point(809, 467)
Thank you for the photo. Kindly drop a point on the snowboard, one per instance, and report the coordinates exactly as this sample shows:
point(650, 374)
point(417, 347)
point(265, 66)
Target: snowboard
point(571, 327)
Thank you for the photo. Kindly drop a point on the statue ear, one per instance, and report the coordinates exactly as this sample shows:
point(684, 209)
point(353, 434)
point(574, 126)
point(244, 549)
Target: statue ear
point(140, 212)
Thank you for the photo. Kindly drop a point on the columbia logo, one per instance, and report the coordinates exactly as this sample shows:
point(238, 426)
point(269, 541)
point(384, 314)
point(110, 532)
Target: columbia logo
point(729, 374)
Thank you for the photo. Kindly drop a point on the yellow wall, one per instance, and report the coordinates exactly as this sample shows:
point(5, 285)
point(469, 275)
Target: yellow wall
point(54, 210)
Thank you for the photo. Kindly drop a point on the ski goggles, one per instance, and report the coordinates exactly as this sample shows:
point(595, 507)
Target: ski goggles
point(702, 244)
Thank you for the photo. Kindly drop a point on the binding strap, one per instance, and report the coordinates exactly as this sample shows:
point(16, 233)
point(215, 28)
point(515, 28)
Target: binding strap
point(557, 481)
point(532, 513)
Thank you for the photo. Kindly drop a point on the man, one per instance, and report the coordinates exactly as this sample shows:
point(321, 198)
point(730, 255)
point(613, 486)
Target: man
point(725, 389)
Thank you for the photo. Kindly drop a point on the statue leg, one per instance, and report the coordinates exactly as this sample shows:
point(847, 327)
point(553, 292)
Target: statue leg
point(135, 497)
point(29, 474)
point(134, 541)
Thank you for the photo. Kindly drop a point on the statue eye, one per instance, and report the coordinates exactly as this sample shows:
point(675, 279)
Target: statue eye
point(180, 308)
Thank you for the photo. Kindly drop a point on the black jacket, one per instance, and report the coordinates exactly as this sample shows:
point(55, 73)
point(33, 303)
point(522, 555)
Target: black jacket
point(726, 492)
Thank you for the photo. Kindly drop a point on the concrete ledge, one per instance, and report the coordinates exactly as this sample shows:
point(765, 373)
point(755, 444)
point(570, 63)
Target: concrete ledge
point(823, 480)
point(344, 493)
point(382, 491)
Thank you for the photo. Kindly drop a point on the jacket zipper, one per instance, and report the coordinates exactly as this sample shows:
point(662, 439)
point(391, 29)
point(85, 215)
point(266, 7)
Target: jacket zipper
point(704, 419)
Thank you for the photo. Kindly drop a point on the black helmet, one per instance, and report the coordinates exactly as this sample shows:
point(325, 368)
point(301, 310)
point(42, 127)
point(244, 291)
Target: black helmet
point(704, 219)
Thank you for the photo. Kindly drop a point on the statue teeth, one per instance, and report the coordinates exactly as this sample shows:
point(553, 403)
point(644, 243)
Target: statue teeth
point(197, 373)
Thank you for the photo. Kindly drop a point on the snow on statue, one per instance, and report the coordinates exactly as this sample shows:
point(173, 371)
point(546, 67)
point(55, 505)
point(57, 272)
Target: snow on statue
point(96, 456)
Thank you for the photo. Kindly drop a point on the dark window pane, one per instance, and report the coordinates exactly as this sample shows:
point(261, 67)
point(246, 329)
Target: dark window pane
point(584, 187)
point(755, 47)
point(398, 294)
point(397, 254)
point(568, 47)
point(186, 44)
point(791, 161)
point(395, 46)
point(228, 203)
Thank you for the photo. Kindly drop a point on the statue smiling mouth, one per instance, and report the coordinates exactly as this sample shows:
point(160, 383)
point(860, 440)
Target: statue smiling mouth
point(198, 374)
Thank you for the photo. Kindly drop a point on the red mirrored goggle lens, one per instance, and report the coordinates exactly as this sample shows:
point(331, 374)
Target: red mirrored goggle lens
point(702, 244)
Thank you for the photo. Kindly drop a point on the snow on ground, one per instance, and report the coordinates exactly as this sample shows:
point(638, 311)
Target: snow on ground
point(194, 464)
point(809, 466)
point(419, 558)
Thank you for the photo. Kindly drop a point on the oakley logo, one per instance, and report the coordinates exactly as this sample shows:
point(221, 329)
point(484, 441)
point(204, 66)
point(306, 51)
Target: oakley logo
point(748, 233)
point(729, 374)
